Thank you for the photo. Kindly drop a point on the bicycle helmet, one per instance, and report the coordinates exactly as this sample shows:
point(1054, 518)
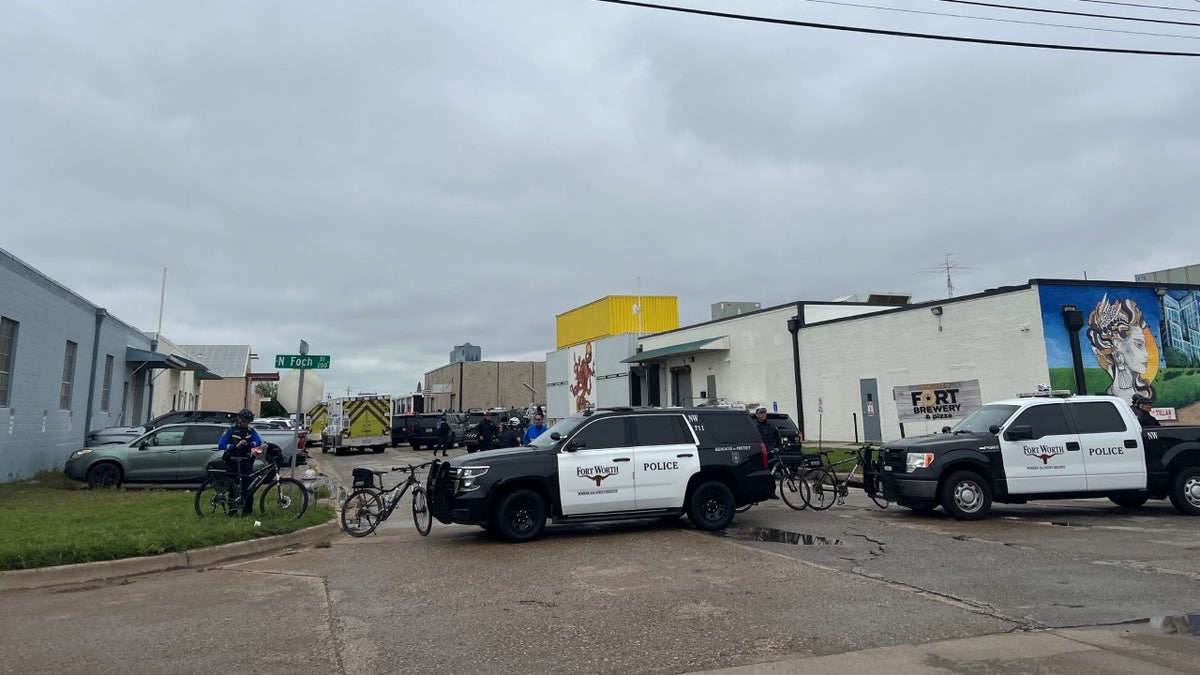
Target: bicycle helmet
point(760, 410)
point(514, 422)
point(245, 414)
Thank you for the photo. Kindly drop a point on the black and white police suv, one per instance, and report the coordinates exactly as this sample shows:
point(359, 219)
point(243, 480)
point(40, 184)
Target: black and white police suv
point(610, 464)
point(1049, 446)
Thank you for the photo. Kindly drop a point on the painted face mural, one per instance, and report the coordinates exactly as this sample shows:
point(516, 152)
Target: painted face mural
point(1124, 346)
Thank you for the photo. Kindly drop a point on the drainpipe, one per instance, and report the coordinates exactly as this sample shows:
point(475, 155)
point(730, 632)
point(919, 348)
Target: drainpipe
point(91, 397)
point(794, 325)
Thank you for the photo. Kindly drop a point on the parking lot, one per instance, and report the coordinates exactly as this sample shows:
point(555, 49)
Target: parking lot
point(779, 585)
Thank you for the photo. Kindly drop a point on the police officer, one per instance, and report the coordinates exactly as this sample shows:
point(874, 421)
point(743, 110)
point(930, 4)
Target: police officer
point(512, 435)
point(487, 431)
point(1141, 409)
point(443, 434)
point(242, 444)
point(769, 432)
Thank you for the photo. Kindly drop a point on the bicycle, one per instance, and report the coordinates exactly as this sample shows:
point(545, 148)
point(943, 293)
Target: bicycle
point(792, 487)
point(221, 492)
point(826, 487)
point(369, 505)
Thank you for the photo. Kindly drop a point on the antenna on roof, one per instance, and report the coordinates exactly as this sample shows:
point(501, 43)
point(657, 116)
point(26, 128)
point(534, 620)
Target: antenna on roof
point(946, 268)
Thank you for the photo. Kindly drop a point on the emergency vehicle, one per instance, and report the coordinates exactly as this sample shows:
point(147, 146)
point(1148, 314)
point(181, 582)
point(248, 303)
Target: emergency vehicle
point(357, 423)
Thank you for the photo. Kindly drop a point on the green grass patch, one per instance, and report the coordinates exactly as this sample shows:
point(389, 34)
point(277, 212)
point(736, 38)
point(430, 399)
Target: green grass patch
point(49, 521)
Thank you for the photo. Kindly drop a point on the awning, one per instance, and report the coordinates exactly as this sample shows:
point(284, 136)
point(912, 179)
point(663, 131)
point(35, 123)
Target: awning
point(201, 370)
point(146, 359)
point(716, 344)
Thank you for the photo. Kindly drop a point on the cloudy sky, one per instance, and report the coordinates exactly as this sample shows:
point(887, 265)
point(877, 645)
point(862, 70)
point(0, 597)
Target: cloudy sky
point(390, 179)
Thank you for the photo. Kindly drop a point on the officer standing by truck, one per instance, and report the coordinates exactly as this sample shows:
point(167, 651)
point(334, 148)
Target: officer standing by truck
point(443, 434)
point(486, 431)
point(1141, 409)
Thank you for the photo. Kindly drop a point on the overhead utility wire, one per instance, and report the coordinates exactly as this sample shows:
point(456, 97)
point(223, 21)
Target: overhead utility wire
point(1069, 13)
point(1140, 5)
point(999, 20)
point(897, 33)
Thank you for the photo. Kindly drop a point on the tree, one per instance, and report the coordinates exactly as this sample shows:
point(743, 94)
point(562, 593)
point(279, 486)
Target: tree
point(269, 393)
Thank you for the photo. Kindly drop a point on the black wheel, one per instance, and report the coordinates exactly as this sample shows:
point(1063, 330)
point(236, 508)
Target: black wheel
point(361, 513)
point(966, 496)
point(286, 499)
point(521, 516)
point(794, 490)
point(378, 449)
point(1128, 502)
point(876, 495)
point(822, 489)
point(1185, 491)
point(216, 498)
point(415, 446)
point(104, 475)
point(711, 506)
point(422, 515)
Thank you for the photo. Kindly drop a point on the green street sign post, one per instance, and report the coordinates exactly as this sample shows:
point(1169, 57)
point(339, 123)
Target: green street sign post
point(309, 362)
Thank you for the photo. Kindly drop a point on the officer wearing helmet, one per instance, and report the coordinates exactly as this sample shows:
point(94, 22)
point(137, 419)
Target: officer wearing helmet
point(511, 438)
point(1141, 410)
point(242, 444)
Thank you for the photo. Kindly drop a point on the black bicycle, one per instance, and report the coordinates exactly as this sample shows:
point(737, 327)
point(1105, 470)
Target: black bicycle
point(792, 486)
point(370, 504)
point(221, 493)
point(826, 486)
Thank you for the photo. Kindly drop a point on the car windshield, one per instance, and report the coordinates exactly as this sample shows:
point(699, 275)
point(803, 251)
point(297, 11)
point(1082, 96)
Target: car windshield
point(563, 428)
point(981, 421)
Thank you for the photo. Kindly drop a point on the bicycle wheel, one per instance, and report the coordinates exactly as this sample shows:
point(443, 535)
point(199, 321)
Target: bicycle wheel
point(215, 497)
point(794, 490)
point(286, 499)
point(876, 494)
point(822, 487)
point(422, 515)
point(361, 513)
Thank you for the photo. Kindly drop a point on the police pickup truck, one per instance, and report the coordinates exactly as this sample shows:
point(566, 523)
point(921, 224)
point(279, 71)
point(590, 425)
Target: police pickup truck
point(1049, 446)
point(610, 464)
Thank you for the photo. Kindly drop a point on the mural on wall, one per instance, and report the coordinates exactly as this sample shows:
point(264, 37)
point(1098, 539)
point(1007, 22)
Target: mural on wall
point(1134, 341)
point(584, 382)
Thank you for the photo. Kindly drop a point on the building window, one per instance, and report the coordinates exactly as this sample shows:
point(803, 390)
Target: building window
point(68, 378)
point(107, 386)
point(8, 347)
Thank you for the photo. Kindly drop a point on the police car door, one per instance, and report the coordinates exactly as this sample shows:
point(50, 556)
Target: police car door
point(664, 459)
point(595, 469)
point(1113, 455)
point(1049, 461)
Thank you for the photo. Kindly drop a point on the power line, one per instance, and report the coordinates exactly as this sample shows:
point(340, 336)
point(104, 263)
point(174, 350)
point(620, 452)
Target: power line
point(1070, 13)
point(897, 33)
point(1140, 5)
point(999, 20)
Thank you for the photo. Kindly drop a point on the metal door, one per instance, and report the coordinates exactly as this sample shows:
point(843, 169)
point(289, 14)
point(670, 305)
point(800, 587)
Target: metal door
point(681, 386)
point(869, 392)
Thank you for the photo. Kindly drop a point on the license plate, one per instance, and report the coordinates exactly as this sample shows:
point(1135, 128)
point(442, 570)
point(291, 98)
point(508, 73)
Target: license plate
point(887, 468)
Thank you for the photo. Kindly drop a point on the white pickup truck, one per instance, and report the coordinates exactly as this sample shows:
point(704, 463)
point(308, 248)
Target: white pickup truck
point(1044, 447)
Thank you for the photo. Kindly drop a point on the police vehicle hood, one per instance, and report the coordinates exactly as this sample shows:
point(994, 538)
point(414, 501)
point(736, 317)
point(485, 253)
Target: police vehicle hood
point(483, 457)
point(936, 442)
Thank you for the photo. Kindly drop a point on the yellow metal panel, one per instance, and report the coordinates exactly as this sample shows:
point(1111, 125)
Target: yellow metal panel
point(613, 315)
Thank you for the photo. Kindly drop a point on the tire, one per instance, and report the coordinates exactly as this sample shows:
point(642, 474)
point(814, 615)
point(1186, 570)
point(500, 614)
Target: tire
point(214, 498)
point(822, 489)
point(521, 516)
point(877, 496)
point(711, 506)
point(1185, 491)
point(1128, 502)
point(378, 449)
point(104, 475)
point(361, 513)
point(422, 515)
point(286, 499)
point(794, 490)
point(966, 496)
point(415, 445)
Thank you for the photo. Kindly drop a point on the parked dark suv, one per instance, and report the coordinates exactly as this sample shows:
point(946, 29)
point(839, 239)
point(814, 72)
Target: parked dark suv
point(610, 464)
point(424, 434)
point(402, 428)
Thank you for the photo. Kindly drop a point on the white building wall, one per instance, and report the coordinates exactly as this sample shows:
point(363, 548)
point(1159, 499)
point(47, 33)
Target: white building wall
point(609, 382)
point(997, 340)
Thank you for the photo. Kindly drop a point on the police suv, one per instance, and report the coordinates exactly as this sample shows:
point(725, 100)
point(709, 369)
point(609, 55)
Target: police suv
point(1050, 445)
point(610, 464)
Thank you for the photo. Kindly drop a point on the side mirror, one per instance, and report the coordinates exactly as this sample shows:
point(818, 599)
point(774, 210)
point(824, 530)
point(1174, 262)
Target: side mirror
point(143, 445)
point(555, 436)
point(1020, 432)
point(945, 430)
point(994, 429)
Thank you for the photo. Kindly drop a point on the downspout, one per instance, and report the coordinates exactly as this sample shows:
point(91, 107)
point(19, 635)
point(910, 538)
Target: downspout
point(794, 325)
point(87, 417)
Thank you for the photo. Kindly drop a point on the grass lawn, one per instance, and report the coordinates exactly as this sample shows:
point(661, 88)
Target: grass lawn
point(51, 521)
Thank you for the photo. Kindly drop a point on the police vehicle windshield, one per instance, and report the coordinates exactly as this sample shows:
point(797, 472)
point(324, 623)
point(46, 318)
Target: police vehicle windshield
point(563, 428)
point(981, 421)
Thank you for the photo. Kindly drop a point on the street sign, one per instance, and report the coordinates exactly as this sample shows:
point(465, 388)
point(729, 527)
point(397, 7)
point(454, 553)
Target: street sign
point(318, 362)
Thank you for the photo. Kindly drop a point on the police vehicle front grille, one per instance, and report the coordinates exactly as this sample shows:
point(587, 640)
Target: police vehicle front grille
point(895, 459)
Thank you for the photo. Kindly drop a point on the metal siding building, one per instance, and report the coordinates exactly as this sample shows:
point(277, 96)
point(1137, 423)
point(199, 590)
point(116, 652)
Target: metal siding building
point(485, 384)
point(613, 315)
point(39, 431)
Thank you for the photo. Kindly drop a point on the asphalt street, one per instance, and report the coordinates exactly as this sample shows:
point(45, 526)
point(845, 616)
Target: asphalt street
point(1071, 587)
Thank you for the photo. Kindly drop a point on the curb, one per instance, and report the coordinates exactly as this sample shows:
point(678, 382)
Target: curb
point(112, 569)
